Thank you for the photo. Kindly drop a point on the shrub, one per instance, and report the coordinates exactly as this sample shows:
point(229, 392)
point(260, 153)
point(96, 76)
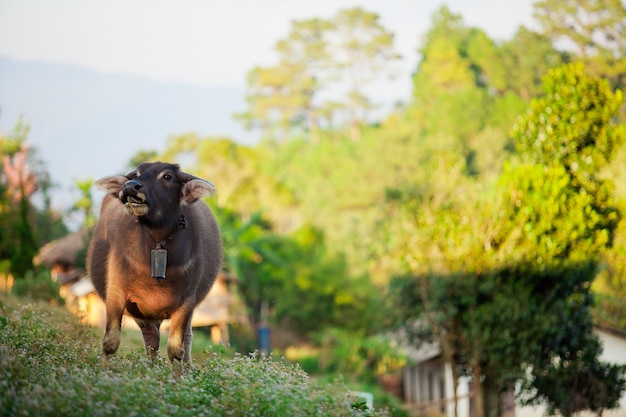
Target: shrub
point(360, 357)
point(38, 286)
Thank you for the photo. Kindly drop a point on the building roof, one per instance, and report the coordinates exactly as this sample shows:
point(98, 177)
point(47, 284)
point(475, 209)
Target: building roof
point(63, 251)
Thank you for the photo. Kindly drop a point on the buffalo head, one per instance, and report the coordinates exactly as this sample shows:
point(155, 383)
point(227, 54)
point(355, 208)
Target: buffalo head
point(155, 189)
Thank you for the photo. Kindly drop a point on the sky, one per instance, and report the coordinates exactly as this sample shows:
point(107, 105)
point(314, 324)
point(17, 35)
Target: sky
point(209, 42)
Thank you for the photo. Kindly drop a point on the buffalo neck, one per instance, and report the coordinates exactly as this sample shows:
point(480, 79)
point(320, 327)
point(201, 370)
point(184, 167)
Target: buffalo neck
point(160, 235)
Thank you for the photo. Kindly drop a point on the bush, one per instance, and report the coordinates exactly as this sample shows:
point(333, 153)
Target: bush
point(360, 357)
point(363, 361)
point(49, 366)
point(38, 286)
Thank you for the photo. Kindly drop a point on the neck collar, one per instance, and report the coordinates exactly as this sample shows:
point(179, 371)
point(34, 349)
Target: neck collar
point(182, 224)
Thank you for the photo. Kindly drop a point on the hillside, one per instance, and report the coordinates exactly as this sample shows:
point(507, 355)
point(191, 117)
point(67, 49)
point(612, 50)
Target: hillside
point(49, 366)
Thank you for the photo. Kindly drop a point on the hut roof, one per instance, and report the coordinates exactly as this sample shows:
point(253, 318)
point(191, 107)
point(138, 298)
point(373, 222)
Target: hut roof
point(64, 250)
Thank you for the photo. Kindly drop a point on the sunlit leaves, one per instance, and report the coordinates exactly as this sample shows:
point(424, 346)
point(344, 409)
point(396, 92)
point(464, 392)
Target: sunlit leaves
point(573, 123)
point(84, 204)
point(549, 220)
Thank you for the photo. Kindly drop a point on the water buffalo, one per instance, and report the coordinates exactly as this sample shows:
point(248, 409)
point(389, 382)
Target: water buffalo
point(154, 255)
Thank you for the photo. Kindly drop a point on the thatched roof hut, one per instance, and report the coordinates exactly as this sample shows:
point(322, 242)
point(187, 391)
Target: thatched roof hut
point(64, 251)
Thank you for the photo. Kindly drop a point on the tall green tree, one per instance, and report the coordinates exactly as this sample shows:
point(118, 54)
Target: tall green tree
point(468, 89)
point(280, 100)
point(574, 124)
point(291, 281)
point(572, 132)
point(249, 256)
point(526, 58)
point(283, 99)
point(610, 286)
point(454, 84)
point(595, 29)
point(502, 277)
point(324, 66)
point(361, 48)
point(563, 218)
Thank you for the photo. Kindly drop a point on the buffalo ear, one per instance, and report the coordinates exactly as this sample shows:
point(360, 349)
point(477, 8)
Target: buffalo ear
point(196, 188)
point(112, 184)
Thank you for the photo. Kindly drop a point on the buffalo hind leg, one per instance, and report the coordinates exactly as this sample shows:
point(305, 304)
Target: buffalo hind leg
point(187, 338)
point(150, 330)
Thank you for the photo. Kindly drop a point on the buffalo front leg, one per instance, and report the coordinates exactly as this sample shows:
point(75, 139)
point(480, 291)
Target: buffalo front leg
point(112, 334)
point(179, 342)
point(150, 330)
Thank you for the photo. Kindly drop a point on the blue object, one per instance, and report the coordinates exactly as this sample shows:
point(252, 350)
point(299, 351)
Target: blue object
point(264, 339)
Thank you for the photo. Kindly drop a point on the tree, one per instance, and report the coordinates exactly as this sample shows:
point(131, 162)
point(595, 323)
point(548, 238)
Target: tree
point(468, 89)
point(447, 99)
point(453, 84)
point(503, 278)
point(574, 124)
point(575, 379)
point(360, 48)
point(247, 257)
point(20, 185)
point(526, 59)
point(283, 99)
point(25, 227)
point(84, 204)
point(240, 176)
point(595, 29)
point(279, 260)
point(436, 226)
point(291, 281)
point(570, 134)
point(304, 90)
point(572, 131)
point(318, 293)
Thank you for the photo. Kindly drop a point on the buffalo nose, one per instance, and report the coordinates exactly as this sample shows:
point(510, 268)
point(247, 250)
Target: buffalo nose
point(134, 184)
point(130, 188)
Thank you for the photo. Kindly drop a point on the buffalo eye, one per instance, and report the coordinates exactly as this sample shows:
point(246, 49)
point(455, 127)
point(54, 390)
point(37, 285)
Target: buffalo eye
point(168, 176)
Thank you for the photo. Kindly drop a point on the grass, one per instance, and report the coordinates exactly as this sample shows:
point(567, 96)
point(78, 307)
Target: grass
point(50, 366)
point(202, 344)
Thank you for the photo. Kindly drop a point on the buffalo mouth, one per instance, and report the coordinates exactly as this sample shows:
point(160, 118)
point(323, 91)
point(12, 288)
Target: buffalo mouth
point(136, 206)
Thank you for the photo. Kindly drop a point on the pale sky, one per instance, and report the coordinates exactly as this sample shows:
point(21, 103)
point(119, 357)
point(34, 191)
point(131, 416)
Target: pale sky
point(208, 42)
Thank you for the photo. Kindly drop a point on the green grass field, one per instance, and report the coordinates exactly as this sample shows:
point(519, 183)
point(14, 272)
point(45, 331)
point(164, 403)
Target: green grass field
point(50, 366)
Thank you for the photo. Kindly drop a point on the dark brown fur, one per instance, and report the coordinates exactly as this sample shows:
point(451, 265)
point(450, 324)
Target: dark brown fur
point(118, 260)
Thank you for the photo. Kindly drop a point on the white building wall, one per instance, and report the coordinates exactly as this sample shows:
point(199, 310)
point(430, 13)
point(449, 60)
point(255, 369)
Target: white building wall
point(614, 351)
point(416, 379)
